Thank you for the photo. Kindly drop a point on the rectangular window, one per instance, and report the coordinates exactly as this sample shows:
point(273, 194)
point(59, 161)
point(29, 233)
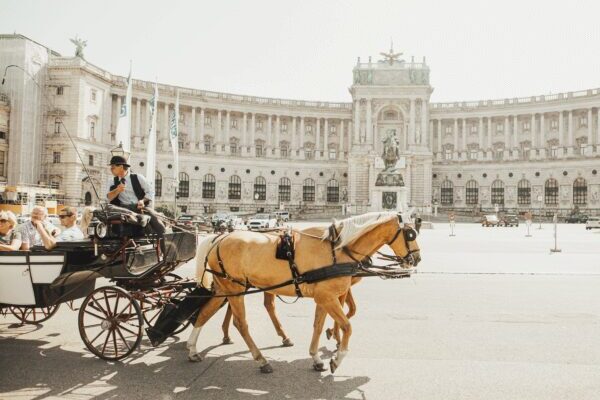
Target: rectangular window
point(233, 148)
point(524, 195)
point(181, 145)
point(60, 90)
point(499, 154)
point(309, 128)
point(448, 154)
point(473, 128)
point(56, 157)
point(91, 160)
point(284, 152)
point(447, 196)
point(526, 154)
point(208, 190)
point(93, 96)
point(235, 191)
point(309, 154)
point(259, 150)
point(332, 154)
point(473, 155)
point(234, 123)
point(499, 128)
point(448, 129)
point(526, 125)
point(259, 125)
point(207, 121)
point(333, 194)
point(308, 193)
point(333, 129)
point(553, 124)
point(207, 146)
point(2, 156)
point(553, 152)
point(57, 126)
point(260, 191)
point(284, 127)
point(583, 149)
point(583, 121)
point(92, 129)
point(285, 193)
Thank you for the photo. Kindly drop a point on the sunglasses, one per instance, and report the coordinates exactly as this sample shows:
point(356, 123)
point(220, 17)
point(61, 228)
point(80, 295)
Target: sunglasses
point(2, 221)
point(65, 216)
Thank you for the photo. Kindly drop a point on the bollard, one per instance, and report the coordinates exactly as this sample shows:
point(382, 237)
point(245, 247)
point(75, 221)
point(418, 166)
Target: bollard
point(528, 223)
point(451, 218)
point(555, 249)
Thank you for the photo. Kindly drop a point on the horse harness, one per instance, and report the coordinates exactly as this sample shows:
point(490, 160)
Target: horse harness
point(286, 251)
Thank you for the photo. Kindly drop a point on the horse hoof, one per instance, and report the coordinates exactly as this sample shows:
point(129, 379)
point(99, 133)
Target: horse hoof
point(194, 357)
point(333, 366)
point(227, 340)
point(320, 367)
point(287, 342)
point(266, 369)
point(328, 333)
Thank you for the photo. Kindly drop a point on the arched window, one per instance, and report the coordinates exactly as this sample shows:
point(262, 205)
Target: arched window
point(447, 193)
point(235, 188)
point(524, 192)
point(208, 186)
point(333, 191)
point(472, 193)
point(580, 191)
point(308, 190)
point(260, 188)
point(184, 185)
point(158, 184)
point(88, 199)
point(498, 192)
point(551, 192)
point(285, 189)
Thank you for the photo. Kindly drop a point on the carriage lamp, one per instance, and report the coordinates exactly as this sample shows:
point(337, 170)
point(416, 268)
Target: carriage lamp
point(120, 151)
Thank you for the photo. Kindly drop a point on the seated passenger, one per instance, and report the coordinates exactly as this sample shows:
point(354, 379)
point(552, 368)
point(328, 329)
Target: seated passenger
point(10, 238)
point(29, 232)
point(70, 231)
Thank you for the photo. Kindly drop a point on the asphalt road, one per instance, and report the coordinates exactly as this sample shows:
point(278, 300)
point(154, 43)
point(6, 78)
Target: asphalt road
point(445, 333)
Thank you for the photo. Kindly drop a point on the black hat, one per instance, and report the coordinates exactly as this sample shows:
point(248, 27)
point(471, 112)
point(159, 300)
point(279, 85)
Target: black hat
point(118, 160)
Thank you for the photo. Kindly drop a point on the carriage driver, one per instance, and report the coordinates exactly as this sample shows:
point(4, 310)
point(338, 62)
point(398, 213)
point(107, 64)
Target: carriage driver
point(131, 191)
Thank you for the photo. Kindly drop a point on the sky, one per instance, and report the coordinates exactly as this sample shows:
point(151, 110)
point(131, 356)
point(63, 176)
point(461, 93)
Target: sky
point(306, 49)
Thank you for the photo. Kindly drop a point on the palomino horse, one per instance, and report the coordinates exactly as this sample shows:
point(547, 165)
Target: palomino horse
point(245, 257)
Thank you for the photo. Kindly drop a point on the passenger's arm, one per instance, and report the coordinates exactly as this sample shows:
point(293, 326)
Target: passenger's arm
point(13, 246)
point(48, 241)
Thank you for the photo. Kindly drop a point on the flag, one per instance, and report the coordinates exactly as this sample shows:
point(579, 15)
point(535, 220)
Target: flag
point(124, 123)
point(174, 137)
point(151, 148)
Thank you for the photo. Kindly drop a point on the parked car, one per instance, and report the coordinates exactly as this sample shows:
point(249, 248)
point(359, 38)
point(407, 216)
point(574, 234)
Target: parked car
point(509, 220)
point(592, 222)
point(282, 215)
point(576, 219)
point(490, 220)
point(195, 221)
point(262, 221)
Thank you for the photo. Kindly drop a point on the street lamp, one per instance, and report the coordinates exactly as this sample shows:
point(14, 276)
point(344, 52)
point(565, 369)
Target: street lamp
point(120, 151)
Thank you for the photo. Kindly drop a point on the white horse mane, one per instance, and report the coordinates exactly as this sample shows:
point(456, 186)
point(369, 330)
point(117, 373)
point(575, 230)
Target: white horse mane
point(354, 227)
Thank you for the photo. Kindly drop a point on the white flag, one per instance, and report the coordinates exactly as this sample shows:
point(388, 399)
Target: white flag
point(174, 136)
point(124, 123)
point(151, 148)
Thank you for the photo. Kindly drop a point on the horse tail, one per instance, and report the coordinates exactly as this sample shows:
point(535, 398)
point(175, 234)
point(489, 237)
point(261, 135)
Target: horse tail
point(202, 250)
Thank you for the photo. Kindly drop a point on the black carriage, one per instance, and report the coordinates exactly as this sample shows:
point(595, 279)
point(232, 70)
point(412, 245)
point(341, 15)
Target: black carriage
point(33, 284)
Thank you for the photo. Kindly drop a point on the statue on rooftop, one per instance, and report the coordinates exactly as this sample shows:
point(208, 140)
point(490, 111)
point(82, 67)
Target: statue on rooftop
point(79, 45)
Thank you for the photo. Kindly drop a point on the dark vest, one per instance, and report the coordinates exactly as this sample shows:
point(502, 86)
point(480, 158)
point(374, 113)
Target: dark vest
point(137, 189)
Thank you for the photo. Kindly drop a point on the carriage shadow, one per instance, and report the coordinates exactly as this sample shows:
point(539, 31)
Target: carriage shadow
point(32, 369)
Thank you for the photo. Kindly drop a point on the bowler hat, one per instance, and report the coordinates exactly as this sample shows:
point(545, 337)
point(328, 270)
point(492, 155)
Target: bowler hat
point(118, 160)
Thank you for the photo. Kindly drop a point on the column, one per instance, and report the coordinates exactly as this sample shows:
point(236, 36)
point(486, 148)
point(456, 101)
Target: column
point(439, 143)
point(515, 131)
point(350, 135)
point(244, 134)
point(227, 130)
point(218, 138)
point(326, 137)
point(597, 127)
point(423, 140)
point(480, 132)
point(411, 134)
point(532, 131)
point(165, 132)
point(561, 129)
point(542, 132)
point(193, 130)
point(341, 142)
point(270, 132)
point(369, 126)
point(138, 118)
point(590, 124)
point(455, 134)
point(356, 121)
point(489, 133)
point(201, 131)
point(318, 137)
point(302, 133)
point(570, 142)
point(293, 144)
point(148, 119)
point(277, 133)
point(506, 135)
point(464, 135)
point(430, 136)
point(253, 135)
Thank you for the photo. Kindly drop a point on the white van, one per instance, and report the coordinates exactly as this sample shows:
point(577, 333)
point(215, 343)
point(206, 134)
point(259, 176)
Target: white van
point(592, 222)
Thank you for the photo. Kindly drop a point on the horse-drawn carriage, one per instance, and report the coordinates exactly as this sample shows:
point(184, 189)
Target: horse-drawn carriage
point(33, 284)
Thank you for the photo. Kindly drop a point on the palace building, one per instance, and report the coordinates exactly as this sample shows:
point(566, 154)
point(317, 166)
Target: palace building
point(387, 147)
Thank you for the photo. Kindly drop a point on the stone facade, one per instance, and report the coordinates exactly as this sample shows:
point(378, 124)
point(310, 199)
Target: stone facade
point(245, 153)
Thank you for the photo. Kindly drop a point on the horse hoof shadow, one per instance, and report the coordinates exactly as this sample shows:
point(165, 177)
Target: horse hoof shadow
point(266, 369)
point(319, 367)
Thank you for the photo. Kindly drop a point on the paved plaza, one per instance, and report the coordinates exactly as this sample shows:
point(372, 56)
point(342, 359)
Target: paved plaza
point(491, 314)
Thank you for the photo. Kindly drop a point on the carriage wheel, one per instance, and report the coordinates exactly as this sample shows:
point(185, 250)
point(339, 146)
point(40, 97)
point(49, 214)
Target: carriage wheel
point(34, 315)
point(151, 308)
point(110, 323)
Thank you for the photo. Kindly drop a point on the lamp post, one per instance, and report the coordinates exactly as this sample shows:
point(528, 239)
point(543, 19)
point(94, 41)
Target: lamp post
point(120, 151)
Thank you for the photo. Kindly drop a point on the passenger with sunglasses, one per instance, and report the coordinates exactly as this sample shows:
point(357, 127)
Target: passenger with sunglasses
point(70, 231)
point(10, 238)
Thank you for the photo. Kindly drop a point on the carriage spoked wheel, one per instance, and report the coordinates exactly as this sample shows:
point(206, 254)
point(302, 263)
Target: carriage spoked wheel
point(33, 315)
point(110, 323)
point(152, 306)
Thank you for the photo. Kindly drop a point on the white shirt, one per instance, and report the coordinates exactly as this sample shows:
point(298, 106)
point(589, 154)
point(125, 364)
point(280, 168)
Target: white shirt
point(70, 234)
point(128, 195)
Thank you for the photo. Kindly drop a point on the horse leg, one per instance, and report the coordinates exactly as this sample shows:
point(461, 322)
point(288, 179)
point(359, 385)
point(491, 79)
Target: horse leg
point(206, 312)
point(270, 306)
point(239, 320)
point(335, 330)
point(335, 310)
point(320, 315)
point(225, 326)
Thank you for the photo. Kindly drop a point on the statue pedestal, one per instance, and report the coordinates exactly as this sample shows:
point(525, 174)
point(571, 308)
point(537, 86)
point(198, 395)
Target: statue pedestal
point(389, 198)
